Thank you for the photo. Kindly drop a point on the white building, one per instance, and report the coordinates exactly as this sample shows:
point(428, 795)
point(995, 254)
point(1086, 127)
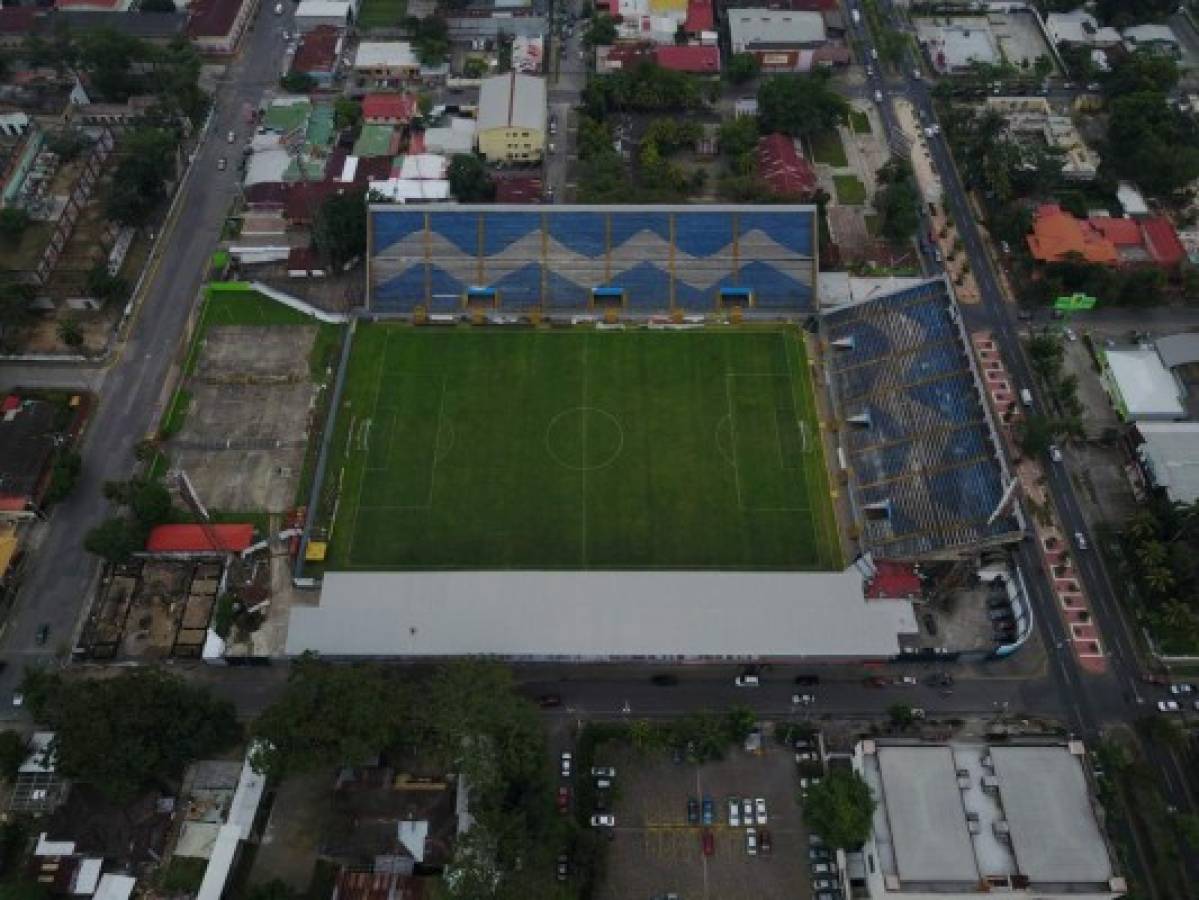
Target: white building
point(449, 140)
point(1141, 386)
point(1080, 28)
point(960, 819)
point(311, 13)
point(1169, 456)
point(1156, 39)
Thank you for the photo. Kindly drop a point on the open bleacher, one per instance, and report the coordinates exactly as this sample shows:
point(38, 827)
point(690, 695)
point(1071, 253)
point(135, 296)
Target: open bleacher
point(925, 471)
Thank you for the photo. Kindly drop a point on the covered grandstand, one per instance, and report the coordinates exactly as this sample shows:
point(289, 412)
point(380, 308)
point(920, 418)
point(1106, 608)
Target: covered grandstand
point(569, 259)
point(926, 476)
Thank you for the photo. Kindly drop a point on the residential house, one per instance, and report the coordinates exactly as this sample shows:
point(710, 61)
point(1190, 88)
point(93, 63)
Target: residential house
point(1159, 40)
point(512, 118)
point(701, 21)
point(449, 140)
point(697, 59)
point(217, 26)
point(312, 14)
point(318, 54)
point(1080, 29)
point(389, 109)
point(782, 168)
point(385, 65)
point(28, 439)
point(1033, 118)
point(782, 40)
point(1058, 236)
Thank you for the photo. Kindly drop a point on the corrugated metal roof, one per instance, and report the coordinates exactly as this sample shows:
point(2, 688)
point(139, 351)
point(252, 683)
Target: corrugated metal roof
point(198, 538)
point(512, 100)
point(599, 615)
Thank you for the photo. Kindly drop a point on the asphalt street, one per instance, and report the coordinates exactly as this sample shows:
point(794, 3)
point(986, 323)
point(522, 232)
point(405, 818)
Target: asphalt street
point(59, 581)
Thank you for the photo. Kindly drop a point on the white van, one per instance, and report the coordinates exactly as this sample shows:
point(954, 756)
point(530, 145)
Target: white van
point(1026, 397)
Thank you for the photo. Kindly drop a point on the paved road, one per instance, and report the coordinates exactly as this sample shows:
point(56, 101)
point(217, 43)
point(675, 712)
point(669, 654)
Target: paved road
point(566, 86)
point(58, 584)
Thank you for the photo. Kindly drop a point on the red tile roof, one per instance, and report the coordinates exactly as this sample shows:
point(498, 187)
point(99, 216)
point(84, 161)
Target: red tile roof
point(628, 56)
point(518, 189)
point(699, 16)
point(198, 538)
point(782, 168)
point(213, 18)
point(1162, 241)
point(689, 59)
point(392, 107)
point(317, 51)
point(266, 193)
point(1121, 232)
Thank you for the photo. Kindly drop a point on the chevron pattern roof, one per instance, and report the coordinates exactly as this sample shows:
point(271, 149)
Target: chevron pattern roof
point(926, 472)
point(552, 258)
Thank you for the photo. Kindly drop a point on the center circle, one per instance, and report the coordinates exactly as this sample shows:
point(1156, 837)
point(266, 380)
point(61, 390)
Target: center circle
point(584, 438)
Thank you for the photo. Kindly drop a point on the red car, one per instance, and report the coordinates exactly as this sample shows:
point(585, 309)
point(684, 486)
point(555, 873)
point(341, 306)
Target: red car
point(709, 843)
point(563, 799)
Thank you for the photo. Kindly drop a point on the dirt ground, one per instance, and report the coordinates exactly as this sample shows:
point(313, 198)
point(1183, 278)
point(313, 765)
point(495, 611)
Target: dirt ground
point(655, 851)
point(292, 836)
point(243, 440)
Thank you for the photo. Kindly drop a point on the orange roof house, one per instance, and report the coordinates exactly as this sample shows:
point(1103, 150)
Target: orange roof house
point(1104, 240)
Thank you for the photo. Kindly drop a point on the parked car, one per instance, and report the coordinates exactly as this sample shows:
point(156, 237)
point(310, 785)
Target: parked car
point(819, 854)
point(907, 681)
point(1168, 706)
point(747, 811)
point(823, 868)
point(917, 712)
point(709, 811)
point(1054, 453)
point(692, 811)
point(805, 756)
point(802, 699)
point(751, 841)
point(746, 681)
point(563, 868)
point(1080, 540)
point(760, 810)
point(221, 164)
point(1179, 689)
point(734, 812)
point(603, 772)
point(828, 895)
point(231, 137)
point(563, 799)
point(603, 820)
point(764, 841)
point(815, 839)
point(804, 785)
point(568, 762)
point(603, 784)
point(707, 842)
point(548, 701)
point(824, 884)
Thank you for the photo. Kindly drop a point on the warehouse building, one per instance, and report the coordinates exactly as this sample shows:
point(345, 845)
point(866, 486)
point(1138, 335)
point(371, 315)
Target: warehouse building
point(512, 118)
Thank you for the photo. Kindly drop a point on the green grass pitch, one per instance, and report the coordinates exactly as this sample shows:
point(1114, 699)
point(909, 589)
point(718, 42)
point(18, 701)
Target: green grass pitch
point(580, 450)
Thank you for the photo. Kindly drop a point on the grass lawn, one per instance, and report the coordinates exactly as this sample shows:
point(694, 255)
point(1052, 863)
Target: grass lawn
point(859, 121)
point(381, 13)
point(827, 148)
point(579, 450)
point(850, 190)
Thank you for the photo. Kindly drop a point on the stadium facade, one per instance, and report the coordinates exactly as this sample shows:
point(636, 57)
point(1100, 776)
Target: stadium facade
point(647, 260)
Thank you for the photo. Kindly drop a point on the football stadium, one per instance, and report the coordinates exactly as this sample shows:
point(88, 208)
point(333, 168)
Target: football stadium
point(515, 474)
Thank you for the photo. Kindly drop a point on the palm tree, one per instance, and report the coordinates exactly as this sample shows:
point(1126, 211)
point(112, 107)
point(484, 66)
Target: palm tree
point(1160, 580)
point(70, 333)
point(1151, 554)
point(1142, 525)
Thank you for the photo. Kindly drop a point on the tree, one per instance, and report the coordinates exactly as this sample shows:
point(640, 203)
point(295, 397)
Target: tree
point(108, 57)
point(1122, 13)
point(741, 67)
point(800, 105)
point(897, 202)
point(150, 502)
point(601, 32)
point(1037, 433)
point(13, 222)
point(106, 287)
point(13, 750)
point(1141, 72)
point(347, 113)
point(298, 83)
point(430, 37)
point(339, 229)
point(331, 716)
point(1142, 287)
point(63, 476)
point(139, 183)
point(15, 314)
point(900, 714)
point(22, 888)
point(475, 67)
point(469, 180)
point(1151, 142)
point(738, 136)
point(70, 332)
point(840, 809)
point(132, 731)
point(115, 539)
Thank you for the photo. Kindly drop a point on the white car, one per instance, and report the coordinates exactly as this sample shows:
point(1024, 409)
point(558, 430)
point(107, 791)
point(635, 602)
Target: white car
point(824, 884)
point(1081, 540)
point(802, 699)
point(824, 868)
point(908, 681)
point(603, 772)
point(1054, 453)
point(874, 54)
point(743, 681)
point(1168, 706)
point(231, 137)
point(760, 810)
point(568, 762)
point(804, 785)
point(917, 712)
point(734, 813)
point(878, 96)
point(18, 699)
point(1179, 689)
point(603, 820)
point(751, 841)
point(747, 811)
point(805, 756)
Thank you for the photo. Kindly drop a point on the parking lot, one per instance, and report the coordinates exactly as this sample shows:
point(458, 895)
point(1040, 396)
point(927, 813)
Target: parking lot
point(655, 850)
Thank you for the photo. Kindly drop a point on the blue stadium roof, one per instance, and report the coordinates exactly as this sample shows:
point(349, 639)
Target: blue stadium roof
point(554, 257)
point(926, 472)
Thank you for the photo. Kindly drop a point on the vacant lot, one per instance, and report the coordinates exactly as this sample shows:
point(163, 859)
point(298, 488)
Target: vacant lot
point(655, 851)
point(582, 449)
point(381, 13)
